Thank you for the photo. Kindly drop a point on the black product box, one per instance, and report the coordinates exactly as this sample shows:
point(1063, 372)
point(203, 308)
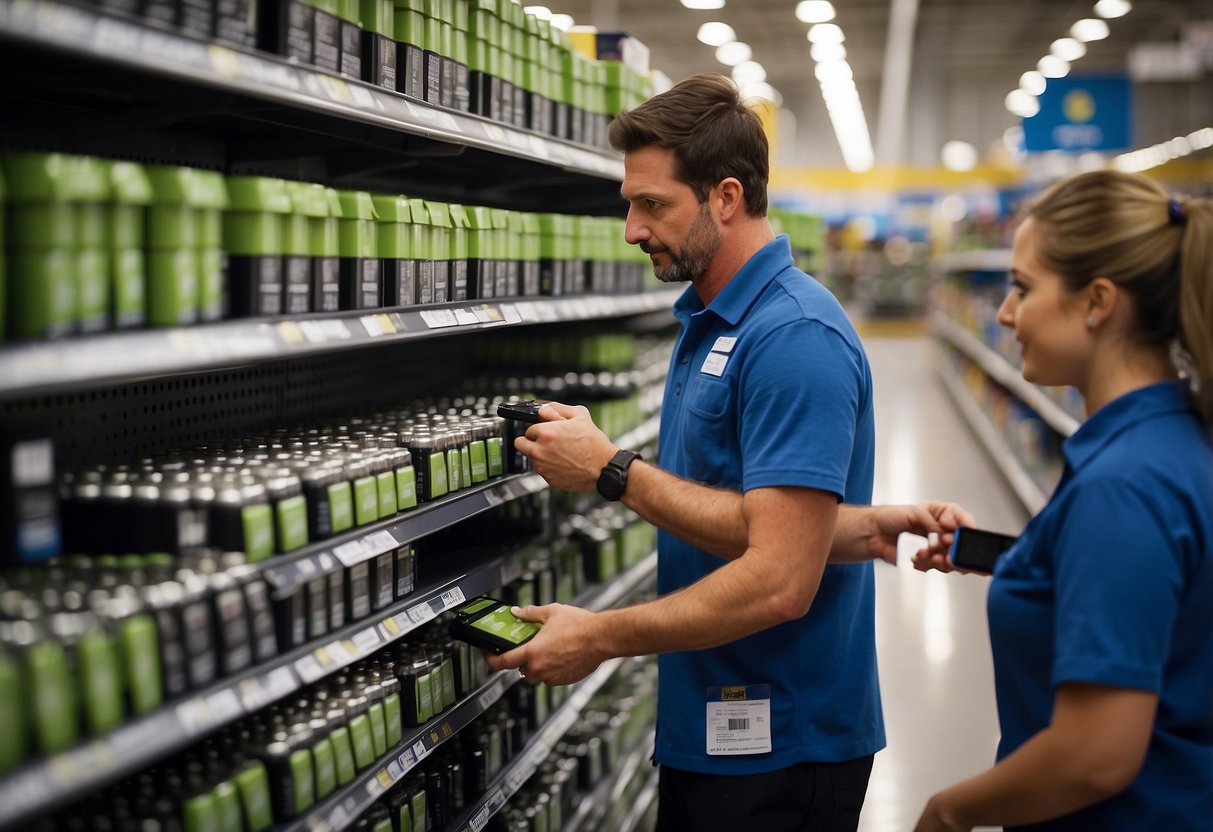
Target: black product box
point(289, 27)
point(399, 282)
point(463, 88)
point(425, 281)
point(379, 54)
point(162, 12)
point(236, 22)
point(433, 77)
point(359, 283)
point(297, 297)
point(197, 18)
point(442, 281)
point(326, 284)
point(326, 41)
point(256, 285)
point(410, 70)
point(30, 502)
point(351, 50)
point(447, 96)
point(459, 280)
point(480, 282)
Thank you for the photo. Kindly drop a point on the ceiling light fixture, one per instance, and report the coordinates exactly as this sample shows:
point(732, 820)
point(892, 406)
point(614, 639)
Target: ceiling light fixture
point(1113, 8)
point(1032, 82)
point(1022, 104)
point(563, 22)
point(826, 33)
point(1051, 66)
point(732, 54)
point(814, 11)
point(540, 12)
point(749, 72)
point(958, 156)
point(828, 52)
point(1068, 49)
point(716, 33)
point(703, 5)
point(1089, 29)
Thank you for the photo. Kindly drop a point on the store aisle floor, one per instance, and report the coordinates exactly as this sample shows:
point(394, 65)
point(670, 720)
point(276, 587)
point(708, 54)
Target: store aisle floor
point(933, 652)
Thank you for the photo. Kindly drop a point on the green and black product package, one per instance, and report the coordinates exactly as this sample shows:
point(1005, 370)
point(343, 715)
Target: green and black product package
point(252, 236)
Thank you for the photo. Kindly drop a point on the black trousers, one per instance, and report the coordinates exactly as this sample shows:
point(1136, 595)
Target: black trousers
point(808, 797)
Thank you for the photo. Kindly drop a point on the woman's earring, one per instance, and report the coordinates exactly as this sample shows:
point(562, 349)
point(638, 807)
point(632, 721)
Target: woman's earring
point(1090, 322)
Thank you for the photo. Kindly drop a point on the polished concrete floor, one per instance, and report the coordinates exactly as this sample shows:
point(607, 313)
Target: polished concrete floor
point(935, 672)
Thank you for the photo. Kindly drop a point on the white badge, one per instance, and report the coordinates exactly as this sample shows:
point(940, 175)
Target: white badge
point(739, 720)
point(714, 364)
point(724, 344)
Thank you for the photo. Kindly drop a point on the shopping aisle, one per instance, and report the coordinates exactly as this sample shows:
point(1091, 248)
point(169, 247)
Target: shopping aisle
point(935, 672)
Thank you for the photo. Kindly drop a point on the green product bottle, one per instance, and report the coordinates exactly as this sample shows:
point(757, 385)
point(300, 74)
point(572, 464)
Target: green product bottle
point(211, 200)
point(350, 15)
point(172, 246)
point(393, 240)
point(422, 249)
point(13, 725)
point(131, 192)
point(227, 805)
point(253, 784)
point(93, 288)
point(52, 697)
point(307, 202)
point(460, 235)
point(378, 47)
point(252, 237)
point(359, 260)
point(324, 759)
point(409, 30)
point(200, 813)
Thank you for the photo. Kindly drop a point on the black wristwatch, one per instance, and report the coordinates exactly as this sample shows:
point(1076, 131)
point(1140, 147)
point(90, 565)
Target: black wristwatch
point(613, 480)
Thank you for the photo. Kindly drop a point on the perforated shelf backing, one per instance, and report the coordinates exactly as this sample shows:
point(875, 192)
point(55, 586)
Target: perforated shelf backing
point(129, 421)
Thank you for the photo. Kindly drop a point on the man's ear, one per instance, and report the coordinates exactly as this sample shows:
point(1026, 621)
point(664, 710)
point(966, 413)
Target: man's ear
point(730, 195)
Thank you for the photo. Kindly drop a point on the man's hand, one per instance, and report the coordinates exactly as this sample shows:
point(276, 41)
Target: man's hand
point(871, 532)
point(567, 449)
point(561, 653)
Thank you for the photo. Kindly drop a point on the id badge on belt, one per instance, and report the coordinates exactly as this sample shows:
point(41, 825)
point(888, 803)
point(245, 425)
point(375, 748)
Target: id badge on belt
point(739, 720)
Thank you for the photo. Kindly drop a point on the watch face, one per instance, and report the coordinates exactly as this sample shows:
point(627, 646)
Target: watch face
point(611, 483)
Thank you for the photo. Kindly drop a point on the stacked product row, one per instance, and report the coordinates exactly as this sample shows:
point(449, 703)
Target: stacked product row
point(97, 245)
point(488, 57)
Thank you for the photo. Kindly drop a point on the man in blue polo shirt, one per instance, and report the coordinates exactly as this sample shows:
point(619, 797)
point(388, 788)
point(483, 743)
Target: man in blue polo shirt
point(768, 705)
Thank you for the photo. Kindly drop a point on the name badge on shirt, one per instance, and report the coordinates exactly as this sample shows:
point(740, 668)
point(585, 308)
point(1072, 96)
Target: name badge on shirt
point(739, 720)
point(724, 344)
point(714, 364)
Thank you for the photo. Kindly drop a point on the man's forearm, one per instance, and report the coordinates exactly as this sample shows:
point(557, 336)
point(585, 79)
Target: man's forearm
point(708, 518)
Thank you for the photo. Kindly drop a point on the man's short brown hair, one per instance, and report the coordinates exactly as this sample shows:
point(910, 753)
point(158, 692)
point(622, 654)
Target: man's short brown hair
point(713, 134)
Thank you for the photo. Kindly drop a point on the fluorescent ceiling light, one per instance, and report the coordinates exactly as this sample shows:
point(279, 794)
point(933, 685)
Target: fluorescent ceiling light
point(1051, 66)
point(1022, 104)
point(826, 33)
point(833, 72)
point(564, 22)
point(1113, 8)
point(703, 4)
point(1067, 49)
point(1089, 29)
point(541, 12)
point(716, 33)
point(828, 52)
point(732, 54)
point(761, 90)
point(814, 11)
point(958, 156)
point(749, 72)
point(1032, 82)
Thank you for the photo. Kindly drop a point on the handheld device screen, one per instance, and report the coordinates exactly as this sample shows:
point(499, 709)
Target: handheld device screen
point(978, 550)
point(527, 411)
point(487, 623)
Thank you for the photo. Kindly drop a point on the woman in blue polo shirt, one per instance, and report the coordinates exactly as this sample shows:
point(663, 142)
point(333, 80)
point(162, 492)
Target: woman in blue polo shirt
point(1101, 614)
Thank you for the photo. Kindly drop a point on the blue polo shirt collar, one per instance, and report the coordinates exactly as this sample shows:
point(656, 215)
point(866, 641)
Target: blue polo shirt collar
point(1105, 424)
point(744, 287)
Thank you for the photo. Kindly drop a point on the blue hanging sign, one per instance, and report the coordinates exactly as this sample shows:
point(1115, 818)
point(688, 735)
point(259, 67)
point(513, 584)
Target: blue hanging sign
point(1082, 113)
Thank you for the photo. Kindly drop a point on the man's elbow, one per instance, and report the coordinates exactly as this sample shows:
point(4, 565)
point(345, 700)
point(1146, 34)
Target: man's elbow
point(790, 603)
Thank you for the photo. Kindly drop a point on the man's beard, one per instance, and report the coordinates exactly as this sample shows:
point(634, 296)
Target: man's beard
point(698, 249)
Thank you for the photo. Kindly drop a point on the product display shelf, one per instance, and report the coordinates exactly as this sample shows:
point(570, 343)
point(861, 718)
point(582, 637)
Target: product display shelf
point(537, 750)
point(51, 366)
point(594, 806)
point(977, 260)
point(297, 95)
point(1030, 494)
point(53, 781)
point(344, 807)
point(643, 803)
point(1009, 377)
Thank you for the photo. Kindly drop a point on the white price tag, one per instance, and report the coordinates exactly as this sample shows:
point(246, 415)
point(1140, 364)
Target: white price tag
point(371, 324)
point(224, 705)
point(419, 750)
point(380, 542)
point(309, 669)
point(366, 640)
point(463, 317)
point(513, 314)
point(490, 696)
point(438, 318)
point(353, 552)
point(313, 331)
point(480, 820)
point(420, 613)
